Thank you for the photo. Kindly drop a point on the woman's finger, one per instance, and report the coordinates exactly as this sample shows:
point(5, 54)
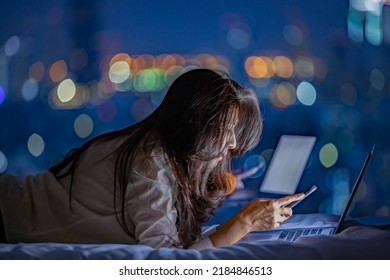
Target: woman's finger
point(286, 200)
point(286, 212)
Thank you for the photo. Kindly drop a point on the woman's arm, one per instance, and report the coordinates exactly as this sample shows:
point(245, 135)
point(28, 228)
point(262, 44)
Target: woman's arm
point(258, 214)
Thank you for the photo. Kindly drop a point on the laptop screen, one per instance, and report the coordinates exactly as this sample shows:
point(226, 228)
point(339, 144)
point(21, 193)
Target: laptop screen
point(354, 190)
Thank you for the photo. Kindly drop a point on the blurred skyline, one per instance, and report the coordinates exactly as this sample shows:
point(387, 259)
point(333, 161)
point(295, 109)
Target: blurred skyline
point(70, 70)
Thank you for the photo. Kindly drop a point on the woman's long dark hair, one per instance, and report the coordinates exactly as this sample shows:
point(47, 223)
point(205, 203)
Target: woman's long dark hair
point(192, 124)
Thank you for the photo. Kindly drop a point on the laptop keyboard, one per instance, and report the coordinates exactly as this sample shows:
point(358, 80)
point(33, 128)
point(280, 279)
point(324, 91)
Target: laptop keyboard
point(291, 235)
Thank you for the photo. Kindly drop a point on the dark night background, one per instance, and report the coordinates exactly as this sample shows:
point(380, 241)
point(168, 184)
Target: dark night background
point(71, 70)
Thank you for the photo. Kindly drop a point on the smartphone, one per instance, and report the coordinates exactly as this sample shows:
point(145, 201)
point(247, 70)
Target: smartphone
point(307, 193)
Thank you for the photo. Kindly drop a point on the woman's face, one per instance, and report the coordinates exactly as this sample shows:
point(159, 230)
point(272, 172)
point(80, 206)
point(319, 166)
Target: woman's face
point(229, 143)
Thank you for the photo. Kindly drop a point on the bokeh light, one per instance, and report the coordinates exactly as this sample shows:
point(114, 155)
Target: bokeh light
point(328, 155)
point(66, 90)
point(138, 63)
point(269, 65)
point(83, 126)
point(212, 62)
point(259, 67)
point(377, 79)
point(167, 61)
point(358, 5)
point(147, 73)
point(3, 162)
point(260, 83)
point(255, 161)
point(267, 155)
point(293, 35)
point(306, 93)
point(157, 98)
point(362, 192)
point(12, 46)
point(96, 93)
point(320, 68)
point(355, 25)
point(284, 67)
point(373, 29)
point(77, 95)
point(36, 71)
point(304, 68)
point(58, 71)
point(81, 97)
point(383, 211)
point(283, 94)
point(30, 89)
point(238, 38)
point(2, 95)
point(150, 80)
point(172, 73)
point(141, 108)
point(106, 87)
point(107, 111)
point(35, 145)
point(340, 191)
point(120, 57)
point(119, 72)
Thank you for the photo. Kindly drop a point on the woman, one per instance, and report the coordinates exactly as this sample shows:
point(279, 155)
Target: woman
point(153, 183)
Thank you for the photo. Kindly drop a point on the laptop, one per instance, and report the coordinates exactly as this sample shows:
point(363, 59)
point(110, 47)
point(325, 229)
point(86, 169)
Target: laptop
point(291, 234)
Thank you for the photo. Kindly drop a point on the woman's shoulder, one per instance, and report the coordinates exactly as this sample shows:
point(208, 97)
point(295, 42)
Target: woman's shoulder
point(150, 151)
point(150, 159)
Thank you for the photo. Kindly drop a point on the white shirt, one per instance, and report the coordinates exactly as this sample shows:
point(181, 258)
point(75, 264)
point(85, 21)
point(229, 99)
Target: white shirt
point(36, 208)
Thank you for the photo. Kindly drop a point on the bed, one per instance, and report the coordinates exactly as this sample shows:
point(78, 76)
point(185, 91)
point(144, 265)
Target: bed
point(355, 242)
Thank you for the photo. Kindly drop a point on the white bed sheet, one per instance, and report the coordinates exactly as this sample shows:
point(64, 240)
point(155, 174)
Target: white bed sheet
point(356, 242)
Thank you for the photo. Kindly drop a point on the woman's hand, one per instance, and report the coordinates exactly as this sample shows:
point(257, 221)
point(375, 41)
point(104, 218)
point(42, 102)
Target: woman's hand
point(265, 214)
point(258, 214)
